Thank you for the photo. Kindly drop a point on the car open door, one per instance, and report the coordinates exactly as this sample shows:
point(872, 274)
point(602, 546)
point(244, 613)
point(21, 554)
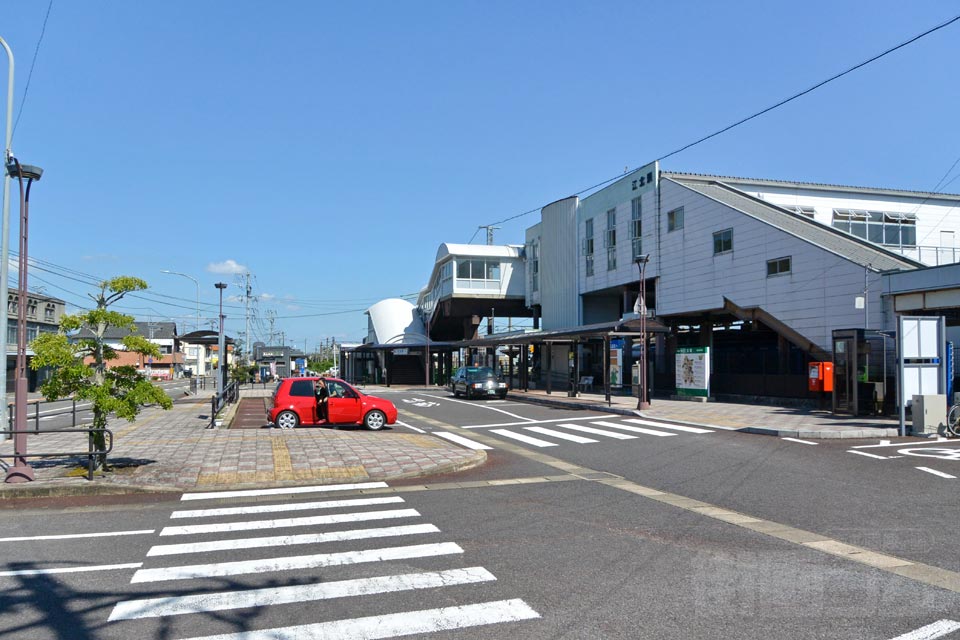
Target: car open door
point(343, 405)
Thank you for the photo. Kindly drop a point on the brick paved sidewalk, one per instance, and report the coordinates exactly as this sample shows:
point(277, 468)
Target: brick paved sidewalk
point(173, 450)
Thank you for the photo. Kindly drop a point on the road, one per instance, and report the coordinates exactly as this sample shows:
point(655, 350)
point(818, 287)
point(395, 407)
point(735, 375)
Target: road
point(580, 525)
point(64, 414)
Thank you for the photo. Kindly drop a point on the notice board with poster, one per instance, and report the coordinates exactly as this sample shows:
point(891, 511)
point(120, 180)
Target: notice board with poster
point(616, 363)
point(693, 371)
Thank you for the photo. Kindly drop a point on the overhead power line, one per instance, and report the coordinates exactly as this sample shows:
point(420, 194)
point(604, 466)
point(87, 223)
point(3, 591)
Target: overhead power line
point(751, 117)
point(26, 87)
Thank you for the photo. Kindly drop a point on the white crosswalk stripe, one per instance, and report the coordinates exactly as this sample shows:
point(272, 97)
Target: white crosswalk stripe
point(561, 435)
point(537, 442)
point(467, 442)
point(664, 425)
point(649, 432)
point(181, 600)
point(396, 624)
point(597, 432)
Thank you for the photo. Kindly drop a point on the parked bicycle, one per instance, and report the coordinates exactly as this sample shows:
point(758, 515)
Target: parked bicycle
point(953, 422)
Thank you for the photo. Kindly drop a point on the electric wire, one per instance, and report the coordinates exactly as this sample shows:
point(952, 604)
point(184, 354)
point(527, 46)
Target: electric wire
point(750, 117)
point(26, 87)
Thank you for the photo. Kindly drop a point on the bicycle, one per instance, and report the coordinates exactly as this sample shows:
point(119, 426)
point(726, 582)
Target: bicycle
point(952, 428)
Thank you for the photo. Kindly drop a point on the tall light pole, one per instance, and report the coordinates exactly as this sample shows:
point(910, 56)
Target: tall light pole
point(642, 402)
point(5, 240)
point(222, 357)
point(21, 471)
point(177, 273)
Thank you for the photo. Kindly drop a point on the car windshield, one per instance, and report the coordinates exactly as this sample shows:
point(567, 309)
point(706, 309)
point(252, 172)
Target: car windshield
point(480, 373)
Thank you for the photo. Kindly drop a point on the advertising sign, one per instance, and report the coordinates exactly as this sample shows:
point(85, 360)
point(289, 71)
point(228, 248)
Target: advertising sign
point(693, 371)
point(616, 363)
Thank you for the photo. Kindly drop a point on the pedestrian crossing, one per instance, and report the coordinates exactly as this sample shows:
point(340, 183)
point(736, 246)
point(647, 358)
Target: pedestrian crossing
point(543, 437)
point(178, 566)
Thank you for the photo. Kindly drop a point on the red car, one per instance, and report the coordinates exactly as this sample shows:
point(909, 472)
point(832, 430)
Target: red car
point(313, 401)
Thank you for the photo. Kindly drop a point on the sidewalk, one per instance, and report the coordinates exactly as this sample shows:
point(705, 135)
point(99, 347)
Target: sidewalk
point(751, 418)
point(174, 451)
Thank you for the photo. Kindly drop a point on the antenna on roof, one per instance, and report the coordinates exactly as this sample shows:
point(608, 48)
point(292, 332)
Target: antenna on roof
point(489, 229)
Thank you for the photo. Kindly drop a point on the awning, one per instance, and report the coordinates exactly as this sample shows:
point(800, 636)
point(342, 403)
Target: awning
point(619, 328)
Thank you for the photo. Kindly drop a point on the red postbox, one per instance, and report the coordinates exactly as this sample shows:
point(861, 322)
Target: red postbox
point(820, 376)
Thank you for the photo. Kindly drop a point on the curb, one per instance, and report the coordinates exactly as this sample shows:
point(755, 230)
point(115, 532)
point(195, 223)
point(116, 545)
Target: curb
point(81, 487)
point(866, 432)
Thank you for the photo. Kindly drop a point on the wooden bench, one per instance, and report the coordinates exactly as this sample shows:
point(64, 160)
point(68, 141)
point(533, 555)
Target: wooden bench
point(585, 382)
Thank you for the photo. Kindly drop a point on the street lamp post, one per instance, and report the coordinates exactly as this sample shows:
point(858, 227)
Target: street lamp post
point(177, 273)
point(5, 239)
point(21, 471)
point(222, 356)
point(642, 402)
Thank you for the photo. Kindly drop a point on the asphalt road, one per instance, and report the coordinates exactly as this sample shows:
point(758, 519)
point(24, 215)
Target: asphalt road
point(566, 532)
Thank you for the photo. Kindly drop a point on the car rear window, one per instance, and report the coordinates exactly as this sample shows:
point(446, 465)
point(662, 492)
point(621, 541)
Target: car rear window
point(301, 388)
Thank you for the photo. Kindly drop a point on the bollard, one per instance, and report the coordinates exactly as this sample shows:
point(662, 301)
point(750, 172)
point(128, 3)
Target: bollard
point(36, 418)
point(74, 413)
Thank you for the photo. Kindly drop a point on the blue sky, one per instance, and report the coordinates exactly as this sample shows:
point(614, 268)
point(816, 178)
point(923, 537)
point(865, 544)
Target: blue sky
point(329, 148)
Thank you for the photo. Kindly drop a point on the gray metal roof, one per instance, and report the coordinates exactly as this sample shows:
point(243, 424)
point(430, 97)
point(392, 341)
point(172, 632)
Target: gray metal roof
point(149, 330)
point(816, 186)
point(843, 244)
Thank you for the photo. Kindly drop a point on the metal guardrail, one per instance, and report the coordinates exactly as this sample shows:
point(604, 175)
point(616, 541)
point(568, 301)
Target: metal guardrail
point(35, 415)
point(231, 393)
point(90, 453)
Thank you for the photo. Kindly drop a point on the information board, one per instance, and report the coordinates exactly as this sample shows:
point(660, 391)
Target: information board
point(693, 371)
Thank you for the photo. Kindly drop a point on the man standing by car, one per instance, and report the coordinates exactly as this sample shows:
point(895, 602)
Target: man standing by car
point(320, 391)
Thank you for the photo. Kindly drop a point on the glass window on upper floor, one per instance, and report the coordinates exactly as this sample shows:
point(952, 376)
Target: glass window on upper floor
point(675, 219)
point(50, 313)
point(535, 266)
point(880, 227)
point(487, 271)
point(723, 241)
point(636, 228)
point(610, 240)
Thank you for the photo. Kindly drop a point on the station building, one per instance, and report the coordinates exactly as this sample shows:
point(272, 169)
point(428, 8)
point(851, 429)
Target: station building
point(763, 272)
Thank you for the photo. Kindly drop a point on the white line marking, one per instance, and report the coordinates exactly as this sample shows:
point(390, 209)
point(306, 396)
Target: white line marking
point(886, 443)
point(528, 422)
point(173, 606)
point(297, 506)
point(283, 541)
point(294, 562)
point(289, 522)
point(473, 404)
point(649, 432)
point(664, 425)
point(395, 624)
point(68, 536)
point(560, 434)
point(470, 444)
point(284, 490)
point(937, 629)
point(410, 426)
point(937, 473)
point(869, 455)
point(537, 442)
point(800, 441)
point(102, 567)
point(598, 432)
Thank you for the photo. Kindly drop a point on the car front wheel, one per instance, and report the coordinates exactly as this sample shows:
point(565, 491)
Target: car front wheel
point(375, 420)
point(288, 420)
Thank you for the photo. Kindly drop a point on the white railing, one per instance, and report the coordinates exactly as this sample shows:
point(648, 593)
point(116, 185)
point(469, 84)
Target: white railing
point(930, 255)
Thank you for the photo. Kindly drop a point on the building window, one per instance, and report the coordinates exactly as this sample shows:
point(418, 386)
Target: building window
point(723, 241)
point(11, 304)
point(31, 307)
point(636, 230)
point(675, 219)
point(778, 266)
point(50, 313)
point(478, 274)
point(588, 245)
point(535, 265)
point(807, 212)
point(610, 239)
point(879, 227)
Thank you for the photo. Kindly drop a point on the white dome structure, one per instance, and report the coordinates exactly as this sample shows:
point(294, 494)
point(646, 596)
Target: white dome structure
point(395, 321)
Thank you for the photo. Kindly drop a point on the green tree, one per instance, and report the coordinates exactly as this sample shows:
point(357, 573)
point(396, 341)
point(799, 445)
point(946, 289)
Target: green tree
point(79, 368)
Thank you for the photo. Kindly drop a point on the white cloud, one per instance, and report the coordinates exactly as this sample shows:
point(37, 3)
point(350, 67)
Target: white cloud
point(293, 307)
point(229, 267)
point(267, 296)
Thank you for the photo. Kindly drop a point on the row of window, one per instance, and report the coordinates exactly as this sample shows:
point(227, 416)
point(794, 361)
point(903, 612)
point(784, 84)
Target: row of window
point(49, 312)
point(610, 237)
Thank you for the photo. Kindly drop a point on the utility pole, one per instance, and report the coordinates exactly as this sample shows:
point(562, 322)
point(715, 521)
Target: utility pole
point(272, 316)
point(489, 229)
point(246, 314)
